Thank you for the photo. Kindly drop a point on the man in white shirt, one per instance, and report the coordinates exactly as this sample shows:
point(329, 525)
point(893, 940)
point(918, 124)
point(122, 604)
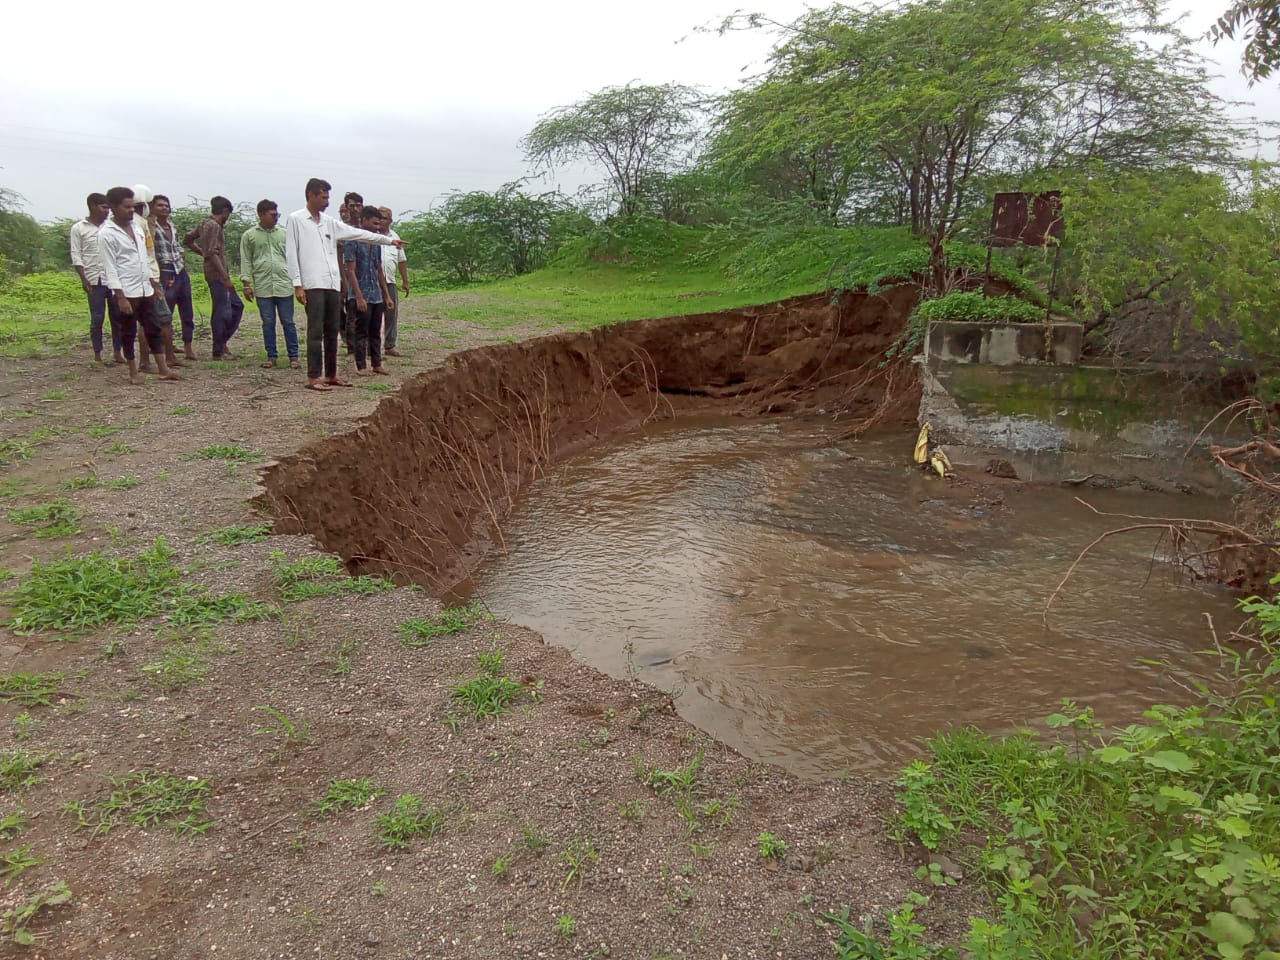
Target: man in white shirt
point(311, 252)
point(393, 262)
point(127, 266)
point(87, 260)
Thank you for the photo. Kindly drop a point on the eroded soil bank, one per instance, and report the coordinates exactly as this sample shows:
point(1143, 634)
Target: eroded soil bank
point(420, 487)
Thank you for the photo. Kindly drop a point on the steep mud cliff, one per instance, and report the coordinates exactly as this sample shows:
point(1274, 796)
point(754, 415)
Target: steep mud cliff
point(420, 487)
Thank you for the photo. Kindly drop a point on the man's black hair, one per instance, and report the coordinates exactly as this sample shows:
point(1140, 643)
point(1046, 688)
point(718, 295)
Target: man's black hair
point(220, 205)
point(116, 194)
point(368, 212)
point(94, 199)
point(265, 205)
point(316, 185)
point(161, 196)
point(353, 197)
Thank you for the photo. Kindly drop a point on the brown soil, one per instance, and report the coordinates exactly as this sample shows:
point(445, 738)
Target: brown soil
point(555, 775)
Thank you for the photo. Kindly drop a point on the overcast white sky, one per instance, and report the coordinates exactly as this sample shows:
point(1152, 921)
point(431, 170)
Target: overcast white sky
point(249, 98)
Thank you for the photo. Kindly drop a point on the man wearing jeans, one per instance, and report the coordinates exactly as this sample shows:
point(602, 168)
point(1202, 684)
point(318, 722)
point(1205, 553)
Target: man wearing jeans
point(175, 282)
point(209, 241)
point(363, 265)
point(311, 249)
point(265, 275)
point(87, 259)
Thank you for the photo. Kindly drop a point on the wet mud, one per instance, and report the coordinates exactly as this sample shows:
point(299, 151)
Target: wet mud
point(419, 489)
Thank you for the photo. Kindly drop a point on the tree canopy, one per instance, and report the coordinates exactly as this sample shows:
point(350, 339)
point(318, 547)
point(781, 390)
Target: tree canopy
point(1259, 25)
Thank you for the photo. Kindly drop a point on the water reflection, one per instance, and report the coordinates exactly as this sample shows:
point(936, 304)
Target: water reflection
point(829, 607)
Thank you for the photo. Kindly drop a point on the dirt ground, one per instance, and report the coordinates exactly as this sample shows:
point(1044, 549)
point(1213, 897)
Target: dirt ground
point(559, 834)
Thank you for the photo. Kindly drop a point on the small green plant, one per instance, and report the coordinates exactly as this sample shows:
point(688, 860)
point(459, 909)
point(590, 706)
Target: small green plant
point(13, 450)
point(631, 810)
point(24, 725)
point(18, 769)
point(901, 943)
point(123, 483)
point(681, 780)
point(182, 663)
point(346, 795)
point(420, 631)
point(321, 576)
point(11, 824)
point(181, 411)
point(100, 430)
point(227, 452)
point(566, 926)
point(194, 610)
point(533, 839)
point(490, 662)
point(118, 449)
point(82, 483)
point(13, 864)
point(237, 534)
point(375, 387)
point(579, 856)
point(57, 519)
point(488, 696)
point(408, 819)
point(502, 868)
point(280, 726)
point(146, 799)
point(14, 921)
point(340, 658)
point(30, 689)
point(771, 847)
point(379, 888)
point(57, 395)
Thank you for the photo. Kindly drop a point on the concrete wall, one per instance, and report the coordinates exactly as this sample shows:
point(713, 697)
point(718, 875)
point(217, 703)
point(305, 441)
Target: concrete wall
point(1056, 421)
point(1003, 344)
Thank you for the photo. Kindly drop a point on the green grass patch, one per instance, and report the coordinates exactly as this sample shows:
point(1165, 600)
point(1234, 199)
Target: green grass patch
point(123, 483)
point(228, 452)
point(18, 769)
point(30, 689)
point(82, 483)
point(421, 631)
point(490, 694)
point(14, 863)
point(12, 824)
point(320, 576)
point(100, 430)
point(237, 534)
point(146, 800)
point(346, 795)
point(409, 819)
point(118, 449)
point(14, 450)
point(57, 519)
point(181, 411)
point(182, 662)
point(200, 610)
point(14, 921)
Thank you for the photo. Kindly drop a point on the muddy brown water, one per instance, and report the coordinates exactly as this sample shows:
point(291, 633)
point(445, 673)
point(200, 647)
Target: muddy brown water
point(827, 607)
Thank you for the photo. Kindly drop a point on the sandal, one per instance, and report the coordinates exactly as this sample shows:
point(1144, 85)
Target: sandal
point(319, 385)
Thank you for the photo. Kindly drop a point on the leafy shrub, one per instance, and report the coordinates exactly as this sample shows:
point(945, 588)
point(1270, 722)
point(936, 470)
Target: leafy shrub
point(973, 307)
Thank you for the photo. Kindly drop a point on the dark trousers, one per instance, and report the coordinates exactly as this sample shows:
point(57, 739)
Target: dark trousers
point(227, 311)
point(144, 315)
point(324, 318)
point(368, 334)
point(101, 305)
point(390, 324)
point(177, 294)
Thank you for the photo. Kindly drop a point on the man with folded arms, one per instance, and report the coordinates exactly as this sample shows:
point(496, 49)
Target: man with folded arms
point(87, 260)
point(311, 249)
point(123, 245)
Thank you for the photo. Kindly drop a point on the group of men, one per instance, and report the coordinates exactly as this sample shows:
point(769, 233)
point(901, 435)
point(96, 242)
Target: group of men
point(343, 271)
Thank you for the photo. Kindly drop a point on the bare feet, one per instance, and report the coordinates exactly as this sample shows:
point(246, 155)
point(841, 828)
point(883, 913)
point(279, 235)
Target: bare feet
point(169, 375)
point(119, 357)
point(188, 353)
point(137, 379)
point(392, 352)
point(381, 372)
point(146, 368)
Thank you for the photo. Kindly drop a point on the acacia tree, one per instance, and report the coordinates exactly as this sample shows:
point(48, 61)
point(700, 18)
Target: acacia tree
point(1259, 25)
point(633, 132)
point(955, 96)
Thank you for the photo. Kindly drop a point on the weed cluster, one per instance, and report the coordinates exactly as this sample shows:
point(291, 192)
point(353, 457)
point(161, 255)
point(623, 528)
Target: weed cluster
point(236, 534)
point(228, 452)
point(346, 795)
point(57, 519)
point(321, 576)
point(14, 921)
point(408, 819)
point(18, 769)
point(684, 787)
point(420, 631)
point(146, 800)
point(490, 694)
point(30, 689)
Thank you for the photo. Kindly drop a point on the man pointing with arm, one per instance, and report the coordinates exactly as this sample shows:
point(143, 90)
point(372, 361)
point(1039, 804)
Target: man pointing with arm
point(311, 251)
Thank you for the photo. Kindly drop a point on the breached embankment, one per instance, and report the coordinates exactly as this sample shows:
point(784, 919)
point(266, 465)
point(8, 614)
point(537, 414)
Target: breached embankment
point(420, 486)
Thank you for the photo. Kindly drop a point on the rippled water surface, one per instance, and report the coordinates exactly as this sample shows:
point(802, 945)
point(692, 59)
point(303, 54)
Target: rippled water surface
point(827, 606)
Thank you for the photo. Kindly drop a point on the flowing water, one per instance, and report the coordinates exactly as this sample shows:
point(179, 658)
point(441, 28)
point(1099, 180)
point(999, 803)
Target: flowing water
point(827, 606)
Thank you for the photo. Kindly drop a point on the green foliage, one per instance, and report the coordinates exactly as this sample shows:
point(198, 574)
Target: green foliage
point(282, 727)
point(147, 799)
point(320, 576)
point(57, 519)
point(1258, 23)
point(195, 610)
point(971, 306)
point(488, 695)
point(18, 769)
point(566, 926)
point(182, 662)
point(771, 847)
point(1159, 840)
point(87, 591)
point(580, 855)
point(421, 631)
point(14, 863)
point(14, 921)
point(30, 689)
point(901, 943)
point(409, 819)
point(236, 534)
point(229, 452)
point(346, 795)
point(11, 824)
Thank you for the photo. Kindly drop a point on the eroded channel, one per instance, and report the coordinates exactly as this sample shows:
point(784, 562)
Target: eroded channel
point(828, 607)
